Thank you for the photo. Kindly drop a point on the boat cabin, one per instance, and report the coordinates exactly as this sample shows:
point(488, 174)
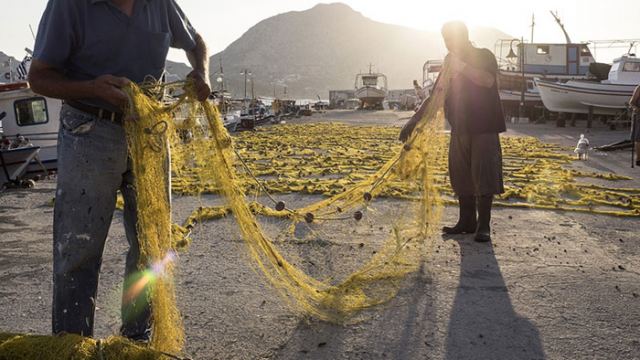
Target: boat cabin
point(625, 71)
point(33, 116)
point(430, 71)
point(545, 59)
point(376, 81)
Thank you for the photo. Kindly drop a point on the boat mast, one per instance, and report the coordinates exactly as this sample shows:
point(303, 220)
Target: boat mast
point(557, 18)
point(533, 25)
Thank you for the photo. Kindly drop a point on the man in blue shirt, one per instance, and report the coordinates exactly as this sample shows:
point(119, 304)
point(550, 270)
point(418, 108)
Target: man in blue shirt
point(86, 51)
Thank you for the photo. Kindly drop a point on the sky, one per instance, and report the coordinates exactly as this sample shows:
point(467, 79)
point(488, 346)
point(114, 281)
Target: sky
point(222, 22)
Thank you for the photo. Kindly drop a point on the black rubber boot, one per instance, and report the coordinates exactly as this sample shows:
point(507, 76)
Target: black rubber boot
point(468, 222)
point(483, 232)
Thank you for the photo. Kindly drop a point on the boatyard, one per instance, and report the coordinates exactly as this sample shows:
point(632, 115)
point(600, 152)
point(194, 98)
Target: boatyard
point(551, 276)
point(319, 182)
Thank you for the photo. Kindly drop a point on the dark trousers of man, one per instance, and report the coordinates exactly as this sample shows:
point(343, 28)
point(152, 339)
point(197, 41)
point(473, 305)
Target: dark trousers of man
point(92, 166)
point(475, 169)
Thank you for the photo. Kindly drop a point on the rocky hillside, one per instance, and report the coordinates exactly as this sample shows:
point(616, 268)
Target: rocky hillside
point(313, 51)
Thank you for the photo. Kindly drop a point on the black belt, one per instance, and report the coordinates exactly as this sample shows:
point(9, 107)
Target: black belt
point(100, 113)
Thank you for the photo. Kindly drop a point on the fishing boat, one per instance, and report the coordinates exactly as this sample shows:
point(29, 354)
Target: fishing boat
point(34, 117)
point(550, 61)
point(430, 72)
point(607, 97)
point(371, 89)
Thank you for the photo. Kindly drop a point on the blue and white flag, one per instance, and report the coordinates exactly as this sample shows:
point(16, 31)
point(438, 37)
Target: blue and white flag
point(23, 68)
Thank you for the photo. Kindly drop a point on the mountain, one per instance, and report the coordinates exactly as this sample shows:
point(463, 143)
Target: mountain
point(179, 69)
point(323, 48)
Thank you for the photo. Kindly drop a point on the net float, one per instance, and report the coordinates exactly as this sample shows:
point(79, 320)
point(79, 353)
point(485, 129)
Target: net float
point(309, 217)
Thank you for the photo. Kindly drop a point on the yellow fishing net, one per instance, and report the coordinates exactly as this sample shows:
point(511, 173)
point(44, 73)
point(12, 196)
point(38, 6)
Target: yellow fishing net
point(72, 347)
point(211, 151)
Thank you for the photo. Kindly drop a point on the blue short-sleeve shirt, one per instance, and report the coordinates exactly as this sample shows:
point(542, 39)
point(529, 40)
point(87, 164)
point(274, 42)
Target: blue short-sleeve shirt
point(89, 38)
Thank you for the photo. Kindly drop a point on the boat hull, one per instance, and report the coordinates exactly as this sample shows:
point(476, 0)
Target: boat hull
point(581, 96)
point(370, 96)
point(14, 163)
point(515, 96)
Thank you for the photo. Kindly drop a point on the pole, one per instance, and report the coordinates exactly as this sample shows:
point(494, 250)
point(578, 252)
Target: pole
point(634, 129)
point(524, 81)
point(533, 25)
point(245, 85)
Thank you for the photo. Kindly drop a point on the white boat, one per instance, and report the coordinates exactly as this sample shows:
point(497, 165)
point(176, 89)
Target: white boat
point(35, 117)
point(607, 97)
point(430, 72)
point(553, 62)
point(14, 163)
point(371, 89)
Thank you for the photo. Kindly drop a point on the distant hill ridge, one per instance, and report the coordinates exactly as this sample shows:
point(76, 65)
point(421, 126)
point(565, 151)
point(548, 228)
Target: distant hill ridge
point(323, 48)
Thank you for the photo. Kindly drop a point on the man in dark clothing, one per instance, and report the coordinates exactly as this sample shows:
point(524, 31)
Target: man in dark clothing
point(474, 111)
point(86, 51)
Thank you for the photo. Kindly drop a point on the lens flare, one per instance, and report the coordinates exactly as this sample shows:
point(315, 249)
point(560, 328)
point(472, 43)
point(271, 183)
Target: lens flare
point(138, 282)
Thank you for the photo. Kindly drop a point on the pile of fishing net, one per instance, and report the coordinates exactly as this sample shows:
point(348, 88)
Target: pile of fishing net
point(73, 347)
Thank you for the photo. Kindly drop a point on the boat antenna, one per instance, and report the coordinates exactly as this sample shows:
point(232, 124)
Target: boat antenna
point(370, 68)
point(559, 21)
point(32, 33)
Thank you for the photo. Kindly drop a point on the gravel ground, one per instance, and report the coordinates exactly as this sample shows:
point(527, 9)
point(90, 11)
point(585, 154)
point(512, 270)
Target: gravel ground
point(553, 285)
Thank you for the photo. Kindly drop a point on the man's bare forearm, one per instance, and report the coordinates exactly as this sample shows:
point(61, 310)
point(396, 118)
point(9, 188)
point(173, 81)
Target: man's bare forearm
point(48, 81)
point(51, 83)
point(198, 57)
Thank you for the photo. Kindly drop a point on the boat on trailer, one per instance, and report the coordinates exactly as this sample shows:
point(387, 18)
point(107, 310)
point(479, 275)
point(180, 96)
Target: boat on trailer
point(607, 97)
point(552, 62)
point(371, 89)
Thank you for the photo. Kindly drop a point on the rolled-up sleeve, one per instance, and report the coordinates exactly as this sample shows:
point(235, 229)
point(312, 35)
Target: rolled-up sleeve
point(183, 35)
point(56, 36)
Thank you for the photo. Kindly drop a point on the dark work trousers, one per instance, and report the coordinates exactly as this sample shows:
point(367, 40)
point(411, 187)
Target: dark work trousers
point(93, 165)
point(475, 164)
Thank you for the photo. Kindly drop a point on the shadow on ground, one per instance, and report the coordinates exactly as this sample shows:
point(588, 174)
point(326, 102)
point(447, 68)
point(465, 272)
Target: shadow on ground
point(404, 329)
point(483, 322)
